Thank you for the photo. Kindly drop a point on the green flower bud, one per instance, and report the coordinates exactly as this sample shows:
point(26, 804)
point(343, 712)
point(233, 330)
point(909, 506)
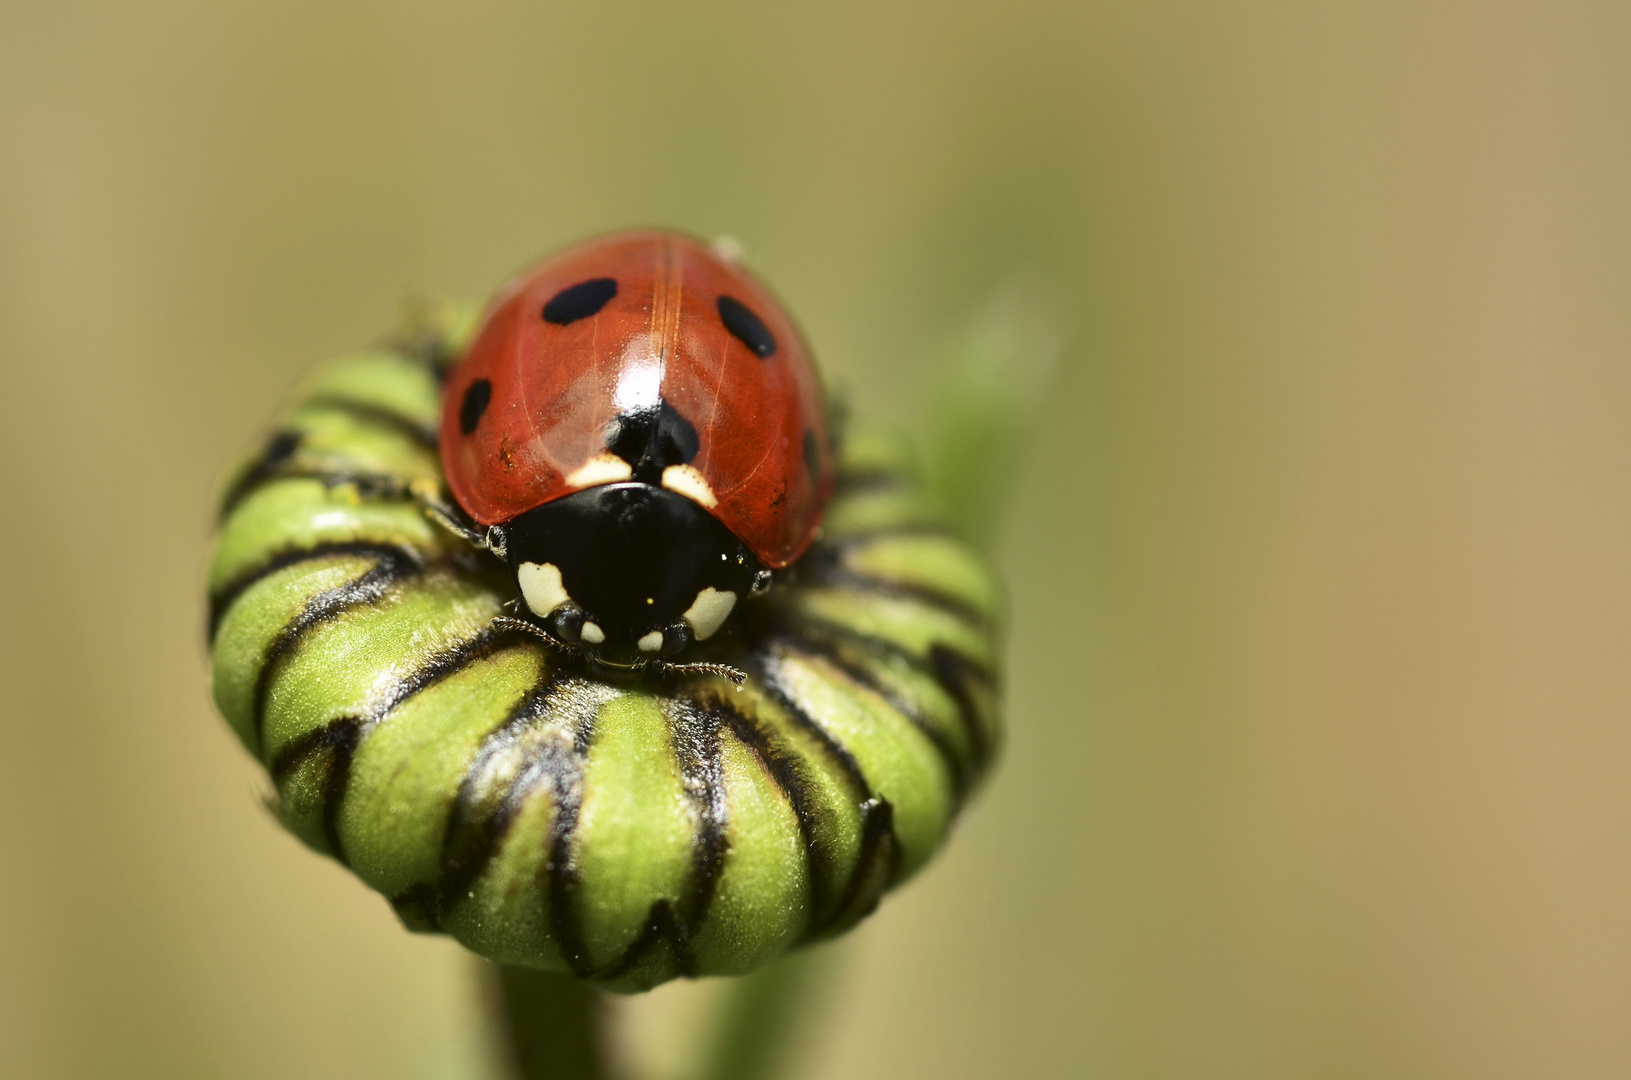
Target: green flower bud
point(625, 830)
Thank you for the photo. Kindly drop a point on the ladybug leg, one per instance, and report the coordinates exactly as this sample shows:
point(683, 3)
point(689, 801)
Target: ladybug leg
point(449, 519)
point(452, 519)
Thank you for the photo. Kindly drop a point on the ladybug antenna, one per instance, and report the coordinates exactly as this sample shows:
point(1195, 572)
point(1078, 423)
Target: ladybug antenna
point(506, 622)
point(736, 675)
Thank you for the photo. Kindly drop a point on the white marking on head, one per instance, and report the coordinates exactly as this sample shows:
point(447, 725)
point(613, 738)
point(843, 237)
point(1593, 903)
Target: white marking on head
point(652, 642)
point(600, 469)
point(541, 587)
point(709, 612)
point(592, 633)
point(687, 481)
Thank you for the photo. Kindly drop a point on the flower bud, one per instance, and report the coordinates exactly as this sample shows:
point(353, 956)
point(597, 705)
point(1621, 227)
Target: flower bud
point(626, 828)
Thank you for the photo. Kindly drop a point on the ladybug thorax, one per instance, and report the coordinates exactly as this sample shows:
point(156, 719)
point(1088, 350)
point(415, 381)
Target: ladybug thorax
point(629, 571)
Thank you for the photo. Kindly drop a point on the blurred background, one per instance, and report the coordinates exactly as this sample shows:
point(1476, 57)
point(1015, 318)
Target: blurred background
point(1320, 591)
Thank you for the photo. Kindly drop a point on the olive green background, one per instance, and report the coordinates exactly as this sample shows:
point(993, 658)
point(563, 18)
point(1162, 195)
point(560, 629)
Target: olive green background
point(1320, 760)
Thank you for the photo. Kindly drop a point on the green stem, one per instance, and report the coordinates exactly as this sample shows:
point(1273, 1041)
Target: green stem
point(553, 1025)
point(759, 1018)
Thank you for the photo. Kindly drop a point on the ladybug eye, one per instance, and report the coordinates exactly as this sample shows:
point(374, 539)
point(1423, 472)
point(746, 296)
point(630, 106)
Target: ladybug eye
point(749, 329)
point(579, 301)
point(474, 404)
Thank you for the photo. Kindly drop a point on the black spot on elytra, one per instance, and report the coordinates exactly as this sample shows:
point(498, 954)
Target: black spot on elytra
point(749, 329)
point(476, 397)
point(652, 439)
point(579, 301)
point(812, 456)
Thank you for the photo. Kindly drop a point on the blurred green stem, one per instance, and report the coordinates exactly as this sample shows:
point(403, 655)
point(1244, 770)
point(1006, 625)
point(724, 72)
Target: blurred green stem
point(553, 1026)
point(758, 1019)
point(993, 381)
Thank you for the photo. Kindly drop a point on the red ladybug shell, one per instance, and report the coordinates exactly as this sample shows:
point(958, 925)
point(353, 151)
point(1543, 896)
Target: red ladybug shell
point(558, 384)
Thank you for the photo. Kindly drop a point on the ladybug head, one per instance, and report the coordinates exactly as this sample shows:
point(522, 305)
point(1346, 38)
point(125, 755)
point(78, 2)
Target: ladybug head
point(629, 572)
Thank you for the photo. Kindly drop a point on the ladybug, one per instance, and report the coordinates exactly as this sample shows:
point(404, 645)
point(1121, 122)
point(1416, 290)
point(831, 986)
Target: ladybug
point(641, 432)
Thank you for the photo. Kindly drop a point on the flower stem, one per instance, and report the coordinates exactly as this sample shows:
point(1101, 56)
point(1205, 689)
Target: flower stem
point(553, 1024)
point(758, 1019)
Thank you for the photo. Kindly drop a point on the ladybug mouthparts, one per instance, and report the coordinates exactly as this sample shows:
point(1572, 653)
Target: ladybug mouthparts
point(629, 571)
